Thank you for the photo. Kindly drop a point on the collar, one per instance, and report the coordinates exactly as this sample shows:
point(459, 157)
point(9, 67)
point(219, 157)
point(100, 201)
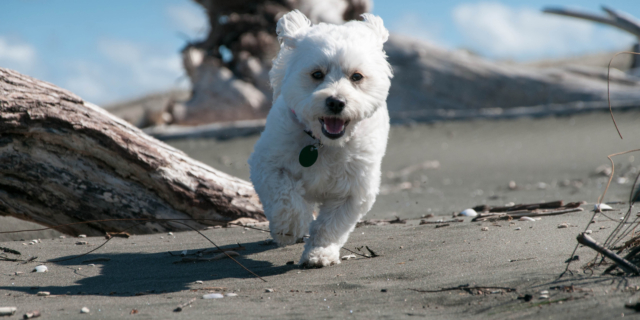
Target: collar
point(308, 132)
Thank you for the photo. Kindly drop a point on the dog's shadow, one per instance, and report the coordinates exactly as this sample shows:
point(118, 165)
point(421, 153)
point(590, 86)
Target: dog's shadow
point(126, 274)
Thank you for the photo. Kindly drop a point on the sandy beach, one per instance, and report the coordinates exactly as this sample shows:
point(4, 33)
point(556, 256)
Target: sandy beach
point(435, 169)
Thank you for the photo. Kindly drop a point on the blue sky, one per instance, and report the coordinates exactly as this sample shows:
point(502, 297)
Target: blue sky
point(107, 51)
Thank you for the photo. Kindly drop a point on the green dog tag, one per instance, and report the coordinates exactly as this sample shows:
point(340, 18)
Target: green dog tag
point(308, 156)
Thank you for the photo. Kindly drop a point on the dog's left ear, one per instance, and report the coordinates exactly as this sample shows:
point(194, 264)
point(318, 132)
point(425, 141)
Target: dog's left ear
point(376, 24)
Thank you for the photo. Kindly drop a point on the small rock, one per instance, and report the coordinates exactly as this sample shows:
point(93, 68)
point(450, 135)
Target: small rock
point(35, 241)
point(588, 232)
point(199, 282)
point(32, 314)
point(7, 311)
point(18, 273)
point(217, 227)
point(518, 228)
point(85, 310)
point(62, 237)
point(602, 227)
point(43, 294)
point(544, 292)
point(231, 294)
point(383, 290)
point(468, 213)
point(40, 268)
point(347, 257)
point(213, 296)
point(170, 233)
point(542, 185)
point(527, 297)
point(485, 229)
point(183, 253)
point(81, 243)
point(527, 219)
point(602, 207)
point(91, 265)
point(269, 290)
point(544, 296)
point(513, 185)
point(563, 225)
point(82, 236)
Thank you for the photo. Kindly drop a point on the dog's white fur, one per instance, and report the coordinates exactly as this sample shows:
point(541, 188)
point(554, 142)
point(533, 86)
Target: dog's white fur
point(345, 180)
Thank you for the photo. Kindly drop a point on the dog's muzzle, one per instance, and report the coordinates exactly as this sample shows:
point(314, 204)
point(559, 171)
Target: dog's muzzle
point(333, 128)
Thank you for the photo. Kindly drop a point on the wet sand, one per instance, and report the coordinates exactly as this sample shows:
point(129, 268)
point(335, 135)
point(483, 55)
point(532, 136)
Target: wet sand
point(548, 159)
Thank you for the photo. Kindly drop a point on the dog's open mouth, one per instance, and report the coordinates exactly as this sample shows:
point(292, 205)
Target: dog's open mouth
point(333, 128)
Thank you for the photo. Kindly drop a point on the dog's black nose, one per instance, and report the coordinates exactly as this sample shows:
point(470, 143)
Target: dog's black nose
point(335, 104)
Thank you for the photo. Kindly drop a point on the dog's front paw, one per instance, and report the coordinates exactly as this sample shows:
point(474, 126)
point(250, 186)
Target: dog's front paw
point(318, 257)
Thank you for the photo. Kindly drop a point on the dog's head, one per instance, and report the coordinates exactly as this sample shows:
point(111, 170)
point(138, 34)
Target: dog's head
point(331, 76)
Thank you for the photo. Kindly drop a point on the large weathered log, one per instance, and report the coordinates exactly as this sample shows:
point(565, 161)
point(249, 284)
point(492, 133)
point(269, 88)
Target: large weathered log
point(229, 69)
point(616, 19)
point(64, 160)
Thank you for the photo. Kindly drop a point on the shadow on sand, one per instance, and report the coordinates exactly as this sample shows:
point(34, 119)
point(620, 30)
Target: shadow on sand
point(127, 274)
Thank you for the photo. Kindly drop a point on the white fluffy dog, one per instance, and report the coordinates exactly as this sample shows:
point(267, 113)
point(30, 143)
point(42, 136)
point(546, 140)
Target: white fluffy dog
point(326, 133)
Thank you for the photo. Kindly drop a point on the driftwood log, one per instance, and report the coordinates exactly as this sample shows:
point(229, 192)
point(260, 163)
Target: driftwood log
point(63, 160)
point(229, 68)
point(613, 18)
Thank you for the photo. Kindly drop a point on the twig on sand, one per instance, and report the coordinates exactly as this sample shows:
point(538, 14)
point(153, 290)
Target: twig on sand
point(516, 260)
point(360, 254)
point(530, 206)
point(467, 288)
point(523, 213)
point(373, 254)
point(621, 262)
point(440, 221)
point(219, 256)
point(184, 305)
point(380, 222)
point(9, 250)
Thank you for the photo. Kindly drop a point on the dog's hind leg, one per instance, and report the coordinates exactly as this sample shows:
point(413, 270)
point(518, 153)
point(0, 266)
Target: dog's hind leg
point(288, 212)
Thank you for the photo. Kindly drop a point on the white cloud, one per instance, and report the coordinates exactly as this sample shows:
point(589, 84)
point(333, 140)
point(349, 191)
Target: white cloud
point(147, 67)
point(189, 18)
point(122, 70)
point(16, 55)
point(87, 81)
point(411, 24)
point(499, 31)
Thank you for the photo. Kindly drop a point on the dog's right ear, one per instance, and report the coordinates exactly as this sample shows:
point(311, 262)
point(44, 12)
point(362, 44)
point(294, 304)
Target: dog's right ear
point(289, 25)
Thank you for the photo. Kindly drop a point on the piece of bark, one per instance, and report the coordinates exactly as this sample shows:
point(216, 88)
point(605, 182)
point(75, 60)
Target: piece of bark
point(531, 206)
point(63, 160)
point(524, 213)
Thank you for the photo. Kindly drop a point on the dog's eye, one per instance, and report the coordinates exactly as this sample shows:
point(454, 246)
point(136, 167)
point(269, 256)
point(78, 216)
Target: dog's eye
point(356, 77)
point(317, 75)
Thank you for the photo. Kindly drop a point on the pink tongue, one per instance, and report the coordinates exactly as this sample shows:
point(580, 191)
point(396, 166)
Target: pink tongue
point(333, 125)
